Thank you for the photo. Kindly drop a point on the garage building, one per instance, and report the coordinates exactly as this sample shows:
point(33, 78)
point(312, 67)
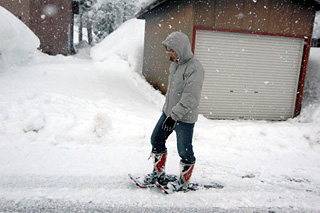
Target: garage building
point(255, 52)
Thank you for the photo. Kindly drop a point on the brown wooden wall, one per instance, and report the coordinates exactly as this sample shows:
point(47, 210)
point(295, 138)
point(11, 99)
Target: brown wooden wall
point(53, 31)
point(169, 17)
point(289, 17)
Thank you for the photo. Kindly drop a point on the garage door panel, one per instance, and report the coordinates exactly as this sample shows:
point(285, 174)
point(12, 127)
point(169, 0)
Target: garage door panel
point(248, 76)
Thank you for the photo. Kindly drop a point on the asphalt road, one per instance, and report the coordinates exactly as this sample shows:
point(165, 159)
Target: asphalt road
point(48, 205)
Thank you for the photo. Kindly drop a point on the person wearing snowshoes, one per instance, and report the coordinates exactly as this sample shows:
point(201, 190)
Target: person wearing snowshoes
point(180, 112)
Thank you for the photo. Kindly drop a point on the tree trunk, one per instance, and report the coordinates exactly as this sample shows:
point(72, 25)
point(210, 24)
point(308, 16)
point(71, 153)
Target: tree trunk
point(89, 30)
point(80, 26)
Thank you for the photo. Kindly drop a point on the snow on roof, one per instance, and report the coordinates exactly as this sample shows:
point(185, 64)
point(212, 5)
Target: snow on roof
point(151, 4)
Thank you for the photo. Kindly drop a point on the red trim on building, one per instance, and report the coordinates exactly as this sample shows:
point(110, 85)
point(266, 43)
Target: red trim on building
point(305, 57)
point(303, 75)
point(194, 39)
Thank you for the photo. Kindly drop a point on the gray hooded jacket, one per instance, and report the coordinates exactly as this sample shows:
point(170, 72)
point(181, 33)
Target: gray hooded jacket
point(185, 81)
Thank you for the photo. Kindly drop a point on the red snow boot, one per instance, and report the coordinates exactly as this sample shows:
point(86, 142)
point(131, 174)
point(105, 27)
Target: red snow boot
point(183, 181)
point(158, 172)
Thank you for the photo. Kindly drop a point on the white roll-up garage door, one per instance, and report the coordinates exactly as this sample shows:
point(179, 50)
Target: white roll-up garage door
point(248, 76)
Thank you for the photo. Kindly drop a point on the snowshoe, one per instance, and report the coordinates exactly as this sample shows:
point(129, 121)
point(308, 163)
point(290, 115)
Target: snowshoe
point(148, 181)
point(169, 189)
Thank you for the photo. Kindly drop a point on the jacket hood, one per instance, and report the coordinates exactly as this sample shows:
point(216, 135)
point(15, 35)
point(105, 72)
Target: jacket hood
point(180, 43)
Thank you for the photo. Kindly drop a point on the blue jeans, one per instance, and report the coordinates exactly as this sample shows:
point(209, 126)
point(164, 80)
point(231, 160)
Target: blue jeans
point(184, 132)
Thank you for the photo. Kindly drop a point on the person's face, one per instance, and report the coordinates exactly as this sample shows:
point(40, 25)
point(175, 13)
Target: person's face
point(173, 56)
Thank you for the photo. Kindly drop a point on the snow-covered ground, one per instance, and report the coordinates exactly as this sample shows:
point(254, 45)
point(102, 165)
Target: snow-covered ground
point(72, 128)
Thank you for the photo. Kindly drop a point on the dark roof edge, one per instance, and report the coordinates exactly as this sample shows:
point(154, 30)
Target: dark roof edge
point(317, 3)
point(148, 8)
point(155, 4)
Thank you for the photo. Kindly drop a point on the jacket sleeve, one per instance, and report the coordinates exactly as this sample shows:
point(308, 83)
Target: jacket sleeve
point(191, 94)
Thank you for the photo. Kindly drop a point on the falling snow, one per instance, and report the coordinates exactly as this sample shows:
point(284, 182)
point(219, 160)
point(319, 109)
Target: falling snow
point(72, 127)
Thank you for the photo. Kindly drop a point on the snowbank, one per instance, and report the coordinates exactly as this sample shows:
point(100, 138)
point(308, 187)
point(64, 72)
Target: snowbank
point(126, 42)
point(72, 129)
point(17, 41)
point(316, 28)
point(311, 96)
